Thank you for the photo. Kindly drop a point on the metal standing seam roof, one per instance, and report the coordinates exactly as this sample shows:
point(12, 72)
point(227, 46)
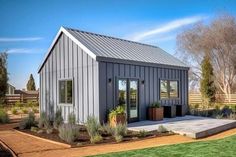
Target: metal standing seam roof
point(106, 46)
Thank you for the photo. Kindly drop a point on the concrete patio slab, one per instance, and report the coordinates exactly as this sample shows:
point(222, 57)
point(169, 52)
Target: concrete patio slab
point(191, 126)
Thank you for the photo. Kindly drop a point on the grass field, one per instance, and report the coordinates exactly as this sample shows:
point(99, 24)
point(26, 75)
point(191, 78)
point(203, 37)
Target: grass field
point(216, 148)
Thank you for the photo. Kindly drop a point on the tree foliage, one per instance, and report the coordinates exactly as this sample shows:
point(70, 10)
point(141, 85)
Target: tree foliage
point(216, 40)
point(3, 76)
point(207, 86)
point(31, 84)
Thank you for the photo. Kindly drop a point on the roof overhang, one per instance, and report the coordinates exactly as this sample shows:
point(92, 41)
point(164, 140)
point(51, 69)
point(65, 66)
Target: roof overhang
point(123, 61)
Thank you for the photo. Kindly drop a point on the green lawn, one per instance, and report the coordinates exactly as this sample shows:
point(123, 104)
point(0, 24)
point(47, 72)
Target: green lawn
point(218, 148)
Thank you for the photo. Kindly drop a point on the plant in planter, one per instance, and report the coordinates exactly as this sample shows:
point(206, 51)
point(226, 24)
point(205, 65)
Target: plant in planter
point(117, 116)
point(155, 112)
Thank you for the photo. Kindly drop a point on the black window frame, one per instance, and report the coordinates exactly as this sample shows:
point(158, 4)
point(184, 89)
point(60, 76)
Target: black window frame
point(168, 89)
point(66, 94)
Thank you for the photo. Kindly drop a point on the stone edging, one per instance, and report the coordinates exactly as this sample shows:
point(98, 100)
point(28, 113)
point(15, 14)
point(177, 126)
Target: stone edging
point(46, 140)
point(8, 148)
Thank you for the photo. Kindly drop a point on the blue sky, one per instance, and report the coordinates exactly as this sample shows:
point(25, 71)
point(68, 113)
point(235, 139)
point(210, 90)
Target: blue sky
point(28, 27)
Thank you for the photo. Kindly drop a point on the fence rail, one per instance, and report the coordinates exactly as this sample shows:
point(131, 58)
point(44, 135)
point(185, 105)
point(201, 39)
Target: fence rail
point(13, 98)
point(221, 98)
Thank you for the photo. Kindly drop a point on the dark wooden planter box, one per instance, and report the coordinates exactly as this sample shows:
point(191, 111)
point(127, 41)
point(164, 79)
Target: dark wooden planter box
point(155, 113)
point(120, 118)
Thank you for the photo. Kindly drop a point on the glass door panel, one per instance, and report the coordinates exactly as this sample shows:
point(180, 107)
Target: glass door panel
point(122, 92)
point(133, 99)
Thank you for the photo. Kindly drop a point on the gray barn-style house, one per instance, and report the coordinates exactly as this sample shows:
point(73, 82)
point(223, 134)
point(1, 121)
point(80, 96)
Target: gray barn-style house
point(89, 74)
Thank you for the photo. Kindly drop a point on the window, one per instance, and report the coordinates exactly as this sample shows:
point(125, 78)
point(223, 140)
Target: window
point(168, 89)
point(164, 89)
point(65, 91)
point(173, 89)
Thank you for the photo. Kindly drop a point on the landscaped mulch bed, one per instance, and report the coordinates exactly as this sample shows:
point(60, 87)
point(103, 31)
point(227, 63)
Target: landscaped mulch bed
point(84, 139)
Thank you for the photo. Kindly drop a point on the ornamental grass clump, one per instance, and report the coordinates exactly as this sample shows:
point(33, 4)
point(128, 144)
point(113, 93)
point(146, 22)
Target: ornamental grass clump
point(4, 118)
point(106, 128)
point(71, 118)
point(68, 132)
point(93, 126)
point(28, 122)
point(58, 119)
point(44, 121)
point(120, 130)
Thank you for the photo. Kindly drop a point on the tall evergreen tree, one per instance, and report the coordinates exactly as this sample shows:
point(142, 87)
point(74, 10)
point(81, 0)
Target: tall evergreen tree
point(207, 85)
point(3, 76)
point(31, 84)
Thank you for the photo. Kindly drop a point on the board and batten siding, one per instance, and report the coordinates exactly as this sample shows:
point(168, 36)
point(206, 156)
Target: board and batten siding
point(148, 92)
point(68, 61)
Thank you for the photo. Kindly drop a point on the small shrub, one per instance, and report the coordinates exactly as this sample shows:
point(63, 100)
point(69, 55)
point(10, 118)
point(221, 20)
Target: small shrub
point(155, 105)
point(28, 122)
point(34, 129)
point(58, 119)
point(120, 129)
point(143, 133)
point(71, 118)
point(30, 104)
point(219, 116)
point(49, 130)
point(44, 121)
point(226, 111)
point(232, 116)
point(35, 109)
point(107, 129)
point(69, 132)
point(233, 108)
point(19, 104)
point(96, 139)
point(92, 126)
point(14, 110)
point(25, 110)
point(162, 129)
point(119, 138)
point(4, 118)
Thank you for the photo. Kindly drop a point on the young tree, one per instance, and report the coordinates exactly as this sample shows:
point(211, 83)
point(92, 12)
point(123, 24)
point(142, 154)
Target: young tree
point(3, 76)
point(207, 86)
point(216, 40)
point(31, 84)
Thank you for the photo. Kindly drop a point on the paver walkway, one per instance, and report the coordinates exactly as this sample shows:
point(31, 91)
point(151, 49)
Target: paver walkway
point(26, 146)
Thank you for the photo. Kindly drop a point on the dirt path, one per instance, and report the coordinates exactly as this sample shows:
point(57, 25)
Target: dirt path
point(25, 146)
point(103, 149)
point(22, 144)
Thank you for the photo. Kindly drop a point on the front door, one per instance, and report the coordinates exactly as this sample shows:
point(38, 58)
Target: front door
point(128, 96)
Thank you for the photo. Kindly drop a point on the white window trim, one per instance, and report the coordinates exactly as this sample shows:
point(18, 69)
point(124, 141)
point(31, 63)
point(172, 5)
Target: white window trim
point(58, 91)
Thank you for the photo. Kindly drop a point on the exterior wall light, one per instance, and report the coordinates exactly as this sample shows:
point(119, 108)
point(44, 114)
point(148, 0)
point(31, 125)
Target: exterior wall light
point(109, 80)
point(142, 81)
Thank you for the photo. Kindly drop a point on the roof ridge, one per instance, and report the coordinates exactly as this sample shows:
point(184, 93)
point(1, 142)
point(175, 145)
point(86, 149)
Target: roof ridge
point(107, 36)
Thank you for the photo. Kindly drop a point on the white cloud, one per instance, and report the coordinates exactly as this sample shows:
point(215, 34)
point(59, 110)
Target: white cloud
point(170, 26)
point(24, 51)
point(2, 39)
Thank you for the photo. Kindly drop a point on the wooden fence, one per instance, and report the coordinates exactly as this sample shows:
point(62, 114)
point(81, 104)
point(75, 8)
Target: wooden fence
point(220, 98)
point(13, 98)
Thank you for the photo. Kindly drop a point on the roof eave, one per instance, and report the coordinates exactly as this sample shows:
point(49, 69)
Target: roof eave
point(124, 61)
